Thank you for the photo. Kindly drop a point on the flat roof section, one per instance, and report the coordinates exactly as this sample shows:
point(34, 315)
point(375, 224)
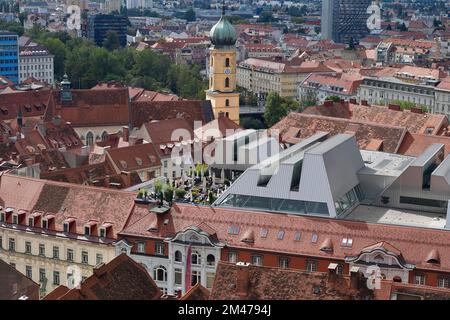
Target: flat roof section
point(399, 217)
point(386, 164)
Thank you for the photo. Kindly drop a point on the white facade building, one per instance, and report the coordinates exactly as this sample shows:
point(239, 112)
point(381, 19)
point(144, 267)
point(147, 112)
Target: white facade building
point(36, 62)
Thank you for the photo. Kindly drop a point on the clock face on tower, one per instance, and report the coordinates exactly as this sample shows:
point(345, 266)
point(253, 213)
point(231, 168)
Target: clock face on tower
point(227, 71)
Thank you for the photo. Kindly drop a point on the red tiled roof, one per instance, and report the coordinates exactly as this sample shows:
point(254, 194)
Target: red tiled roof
point(15, 284)
point(365, 132)
point(66, 200)
point(120, 279)
point(190, 110)
point(415, 144)
point(413, 243)
point(32, 103)
point(92, 107)
point(161, 131)
point(197, 292)
point(222, 124)
point(234, 282)
point(135, 157)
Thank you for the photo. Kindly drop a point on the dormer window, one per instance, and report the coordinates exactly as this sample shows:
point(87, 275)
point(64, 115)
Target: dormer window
point(44, 224)
point(87, 230)
point(105, 230)
point(15, 219)
point(31, 222)
point(69, 225)
point(2, 217)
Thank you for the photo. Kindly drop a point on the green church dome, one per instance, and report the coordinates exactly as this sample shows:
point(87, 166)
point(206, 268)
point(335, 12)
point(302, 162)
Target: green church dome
point(223, 33)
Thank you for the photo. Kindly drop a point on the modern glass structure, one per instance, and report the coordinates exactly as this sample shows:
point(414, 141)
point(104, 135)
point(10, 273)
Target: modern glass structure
point(9, 56)
point(100, 24)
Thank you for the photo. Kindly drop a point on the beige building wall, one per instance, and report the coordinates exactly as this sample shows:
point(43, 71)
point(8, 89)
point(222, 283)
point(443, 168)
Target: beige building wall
point(96, 252)
point(98, 132)
point(261, 82)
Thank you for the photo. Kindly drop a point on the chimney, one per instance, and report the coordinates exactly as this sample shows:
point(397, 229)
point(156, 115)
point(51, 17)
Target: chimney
point(353, 101)
point(125, 133)
point(332, 276)
point(417, 110)
point(354, 278)
point(221, 114)
point(242, 281)
point(107, 181)
point(328, 103)
point(127, 177)
point(29, 162)
point(364, 103)
point(395, 107)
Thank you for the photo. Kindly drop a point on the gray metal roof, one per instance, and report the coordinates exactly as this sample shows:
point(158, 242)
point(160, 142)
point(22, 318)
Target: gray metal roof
point(427, 155)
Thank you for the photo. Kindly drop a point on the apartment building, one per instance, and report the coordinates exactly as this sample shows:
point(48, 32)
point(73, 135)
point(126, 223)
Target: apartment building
point(282, 76)
point(322, 86)
point(36, 62)
point(442, 93)
point(55, 233)
point(410, 84)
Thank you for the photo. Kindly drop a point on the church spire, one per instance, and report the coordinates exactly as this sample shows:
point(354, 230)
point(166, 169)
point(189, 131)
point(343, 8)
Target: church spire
point(223, 7)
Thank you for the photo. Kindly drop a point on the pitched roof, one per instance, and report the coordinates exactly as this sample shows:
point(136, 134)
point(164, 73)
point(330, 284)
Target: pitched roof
point(197, 292)
point(32, 104)
point(190, 110)
point(413, 122)
point(91, 107)
point(297, 126)
point(64, 200)
point(134, 157)
point(413, 243)
point(120, 279)
point(268, 283)
point(222, 124)
point(161, 131)
point(15, 284)
point(415, 144)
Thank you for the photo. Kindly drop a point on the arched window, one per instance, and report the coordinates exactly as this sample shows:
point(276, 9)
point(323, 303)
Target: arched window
point(227, 82)
point(227, 62)
point(160, 273)
point(104, 136)
point(89, 139)
point(178, 256)
point(227, 102)
point(210, 260)
point(195, 258)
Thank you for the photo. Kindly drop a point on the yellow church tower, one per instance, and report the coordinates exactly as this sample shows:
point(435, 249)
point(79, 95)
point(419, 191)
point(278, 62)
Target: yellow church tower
point(222, 70)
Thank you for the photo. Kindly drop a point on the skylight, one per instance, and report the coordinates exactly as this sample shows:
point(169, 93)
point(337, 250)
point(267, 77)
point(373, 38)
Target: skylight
point(347, 242)
point(297, 236)
point(280, 235)
point(233, 229)
point(264, 233)
point(314, 238)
